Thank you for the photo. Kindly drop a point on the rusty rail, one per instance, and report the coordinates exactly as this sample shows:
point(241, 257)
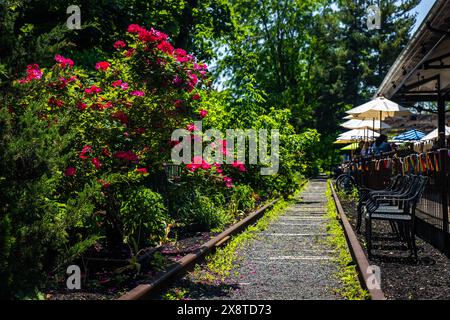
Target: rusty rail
point(146, 291)
point(356, 250)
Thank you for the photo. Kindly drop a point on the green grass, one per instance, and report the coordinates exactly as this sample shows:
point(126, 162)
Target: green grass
point(351, 288)
point(175, 294)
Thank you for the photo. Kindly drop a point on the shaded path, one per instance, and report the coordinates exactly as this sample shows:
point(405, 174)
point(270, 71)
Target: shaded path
point(290, 260)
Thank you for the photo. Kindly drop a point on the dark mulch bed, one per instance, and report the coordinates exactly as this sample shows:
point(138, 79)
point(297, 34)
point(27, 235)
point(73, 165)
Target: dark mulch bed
point(402, 278)
point(102, 277)
point(100, 266)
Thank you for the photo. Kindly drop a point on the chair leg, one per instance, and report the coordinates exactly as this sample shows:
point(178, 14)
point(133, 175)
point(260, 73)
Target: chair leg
point(394, 229)
point(413, 240)
point(359, 217)
point(407, 235)
point(368, 223)
point(401, 231)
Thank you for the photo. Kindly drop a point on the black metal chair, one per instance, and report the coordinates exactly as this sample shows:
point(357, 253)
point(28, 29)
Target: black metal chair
point(396, 186)
point(397, 208)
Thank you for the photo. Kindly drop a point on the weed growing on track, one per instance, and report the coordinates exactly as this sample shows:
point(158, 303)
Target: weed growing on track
point(175, 294)
point(347, 274)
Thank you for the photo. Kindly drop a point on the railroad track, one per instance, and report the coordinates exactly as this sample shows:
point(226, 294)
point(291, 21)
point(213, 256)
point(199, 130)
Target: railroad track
point(356, 251)
point(149, 290)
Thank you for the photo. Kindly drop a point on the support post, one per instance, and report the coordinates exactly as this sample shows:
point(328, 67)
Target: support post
point(443, 156)
point(441, 117)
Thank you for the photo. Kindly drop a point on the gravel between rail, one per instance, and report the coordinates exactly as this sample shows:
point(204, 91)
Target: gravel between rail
point(289, 260)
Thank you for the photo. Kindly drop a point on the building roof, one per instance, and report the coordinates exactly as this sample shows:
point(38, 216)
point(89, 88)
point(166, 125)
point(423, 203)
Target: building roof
point(423, 62)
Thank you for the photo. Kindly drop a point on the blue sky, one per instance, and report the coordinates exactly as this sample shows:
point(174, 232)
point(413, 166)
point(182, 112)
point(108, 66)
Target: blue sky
point(422, 10)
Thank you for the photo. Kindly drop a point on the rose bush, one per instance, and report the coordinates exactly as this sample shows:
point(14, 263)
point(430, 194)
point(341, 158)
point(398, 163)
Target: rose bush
point(83, 156)
point(76, 143)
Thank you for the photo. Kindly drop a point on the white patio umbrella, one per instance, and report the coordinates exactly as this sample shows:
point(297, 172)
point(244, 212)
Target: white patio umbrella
point(348, 117)
point(364, 124)
point(357, 134)
point(379, 108)
point(435, 134)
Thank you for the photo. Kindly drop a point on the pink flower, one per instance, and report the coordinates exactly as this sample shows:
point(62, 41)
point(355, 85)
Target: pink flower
point(64, 62)
point(223, 146)
point(151, 35)
point(191, 127)
point(193, 79)
point(107, 105)
point(205, 166)
point(180, 52)
point(126, 155)
point(116, 83)
point(121, 116)
point(181, 55)
point(228, 182)
point(102, 65)
point(239, 165)
point(192, 166)
point(81, 106)
point(203, 113)
point(196, 96)
point(70, 171)
point(142, 170)
point(96, 162)
point(179, 104)
point(93, 89)
point(33, 72)
point(105, 152)
point(134, 28)
point(121, 84)
point(86, 149)
point(55, 102)
point(138, 93)
point(144, 35)
point(165, 46)
point(129, 52)
point(119, 44)
point(200, 67)
point(177, 80)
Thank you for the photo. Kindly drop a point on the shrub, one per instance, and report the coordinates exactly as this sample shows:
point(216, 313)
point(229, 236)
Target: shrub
point(41, 228)
point(243, 198)
point(202, 211)
point(76, 148)
point(144, 217)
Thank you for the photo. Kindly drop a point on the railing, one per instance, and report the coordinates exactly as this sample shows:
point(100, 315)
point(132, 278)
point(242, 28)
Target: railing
point(432, 213)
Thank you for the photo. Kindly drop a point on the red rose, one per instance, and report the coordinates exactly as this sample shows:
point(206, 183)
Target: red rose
point(93, 89)
point(119, 44)
point(85, 150)
point(96, 162)
point(102, 65)
point(142, 170)
point(70, 171)
point(64, 62)
point(165, 46)
point(105, 152)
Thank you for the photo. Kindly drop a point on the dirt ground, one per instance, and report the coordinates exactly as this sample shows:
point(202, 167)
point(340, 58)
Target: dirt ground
point(402, 278)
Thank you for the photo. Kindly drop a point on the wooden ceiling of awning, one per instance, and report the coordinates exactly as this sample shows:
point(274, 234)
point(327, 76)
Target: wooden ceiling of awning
point(423, 67)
